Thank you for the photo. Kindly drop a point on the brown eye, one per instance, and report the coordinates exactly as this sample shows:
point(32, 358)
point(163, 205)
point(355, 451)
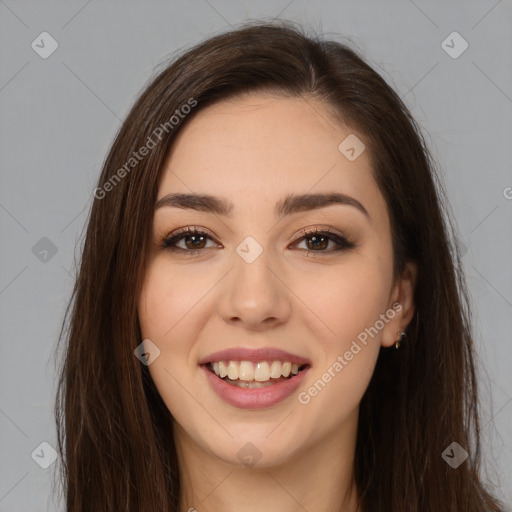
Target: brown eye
point(194, 240)
point(317, 241)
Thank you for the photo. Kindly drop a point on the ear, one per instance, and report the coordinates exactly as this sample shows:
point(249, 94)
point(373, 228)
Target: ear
point(401, 301)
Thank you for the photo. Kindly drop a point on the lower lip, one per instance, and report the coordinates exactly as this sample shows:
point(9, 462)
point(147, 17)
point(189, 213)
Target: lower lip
point(256, 398)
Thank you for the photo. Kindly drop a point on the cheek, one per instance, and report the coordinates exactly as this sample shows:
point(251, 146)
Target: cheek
point(351, 301)
point(338, 388)
point(347, 299)
point(350, 304)
point(166, 299)
point(166, 303)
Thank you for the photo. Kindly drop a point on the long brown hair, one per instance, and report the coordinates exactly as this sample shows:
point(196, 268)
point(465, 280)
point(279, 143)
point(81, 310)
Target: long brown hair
point(114, 431)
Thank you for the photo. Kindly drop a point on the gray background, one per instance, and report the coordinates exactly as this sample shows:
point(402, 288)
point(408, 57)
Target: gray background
point(59, 115)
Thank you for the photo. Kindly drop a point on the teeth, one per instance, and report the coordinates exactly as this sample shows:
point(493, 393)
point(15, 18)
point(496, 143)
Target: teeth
point(261, 372)
point(250, 385)
point(276, 369)
point(223, 371)
point(248, 371)
point(233, 370)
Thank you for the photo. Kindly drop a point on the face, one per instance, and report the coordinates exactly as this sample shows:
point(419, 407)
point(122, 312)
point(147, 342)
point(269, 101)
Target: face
point(270, 277)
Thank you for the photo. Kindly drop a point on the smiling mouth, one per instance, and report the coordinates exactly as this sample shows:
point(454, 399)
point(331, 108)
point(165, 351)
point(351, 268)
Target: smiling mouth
point(248, 375)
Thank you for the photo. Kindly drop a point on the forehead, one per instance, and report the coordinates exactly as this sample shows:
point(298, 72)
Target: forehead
point(260, 147)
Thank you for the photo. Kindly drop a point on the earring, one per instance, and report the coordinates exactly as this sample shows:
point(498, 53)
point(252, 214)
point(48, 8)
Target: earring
point(402, 336)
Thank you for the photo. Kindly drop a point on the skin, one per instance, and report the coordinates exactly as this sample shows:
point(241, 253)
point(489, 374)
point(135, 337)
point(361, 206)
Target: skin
point(253, 151)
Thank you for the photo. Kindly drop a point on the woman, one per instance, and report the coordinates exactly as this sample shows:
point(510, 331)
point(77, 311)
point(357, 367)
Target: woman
point(269, 314)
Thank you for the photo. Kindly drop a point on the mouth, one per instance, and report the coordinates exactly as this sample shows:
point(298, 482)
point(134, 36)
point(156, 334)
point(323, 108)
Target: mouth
point(253, 375)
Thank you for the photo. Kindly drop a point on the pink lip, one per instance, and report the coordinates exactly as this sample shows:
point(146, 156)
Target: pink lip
point(256, 398)
point(254, 355)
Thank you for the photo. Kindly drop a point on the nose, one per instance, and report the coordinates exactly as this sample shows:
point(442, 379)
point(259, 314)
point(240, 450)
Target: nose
point(255, 295)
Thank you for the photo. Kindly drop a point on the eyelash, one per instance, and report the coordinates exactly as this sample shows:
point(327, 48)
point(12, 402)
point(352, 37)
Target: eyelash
point(169, 242)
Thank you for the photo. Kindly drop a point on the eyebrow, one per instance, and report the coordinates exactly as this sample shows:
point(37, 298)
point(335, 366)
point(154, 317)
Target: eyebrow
point(292, 203)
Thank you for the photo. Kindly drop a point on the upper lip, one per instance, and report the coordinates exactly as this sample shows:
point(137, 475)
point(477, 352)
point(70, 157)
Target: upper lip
point(253, 355)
